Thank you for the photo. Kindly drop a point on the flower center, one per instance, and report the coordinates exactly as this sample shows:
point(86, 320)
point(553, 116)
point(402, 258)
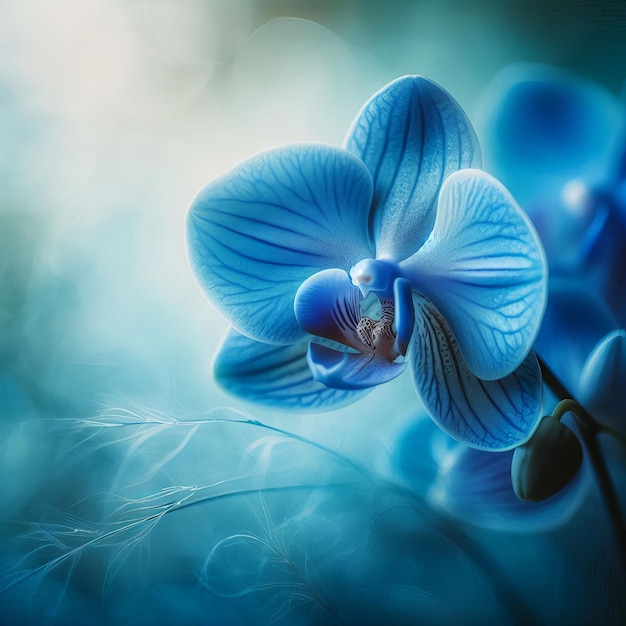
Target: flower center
point(375, 278)
point(378, 334)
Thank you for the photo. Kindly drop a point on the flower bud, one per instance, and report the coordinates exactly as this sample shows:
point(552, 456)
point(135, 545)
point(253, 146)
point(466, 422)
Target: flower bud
point(602, 384)
point(545, 464)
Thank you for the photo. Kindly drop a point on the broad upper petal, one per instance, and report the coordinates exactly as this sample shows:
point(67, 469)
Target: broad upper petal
point(255, 233)
point(484, 269)
point(411, 135)
point(274, 376)
point(346, 370)
point(489, 415)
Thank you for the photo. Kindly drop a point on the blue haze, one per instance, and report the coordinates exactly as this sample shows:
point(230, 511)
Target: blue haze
point(112, 116)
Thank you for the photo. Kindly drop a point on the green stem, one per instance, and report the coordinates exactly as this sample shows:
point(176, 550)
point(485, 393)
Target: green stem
point(589, 430)
point(567, 406)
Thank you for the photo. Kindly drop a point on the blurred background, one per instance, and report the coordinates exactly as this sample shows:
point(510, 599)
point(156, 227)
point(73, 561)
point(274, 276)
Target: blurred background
point(113, 113)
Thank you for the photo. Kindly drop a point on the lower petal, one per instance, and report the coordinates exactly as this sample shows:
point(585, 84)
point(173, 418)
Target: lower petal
point(274, 376)
point(347, 370)
point(489, 415)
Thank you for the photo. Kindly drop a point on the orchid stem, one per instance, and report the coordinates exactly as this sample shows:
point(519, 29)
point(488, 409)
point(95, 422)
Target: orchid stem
point(566, 406)
point(589, 430)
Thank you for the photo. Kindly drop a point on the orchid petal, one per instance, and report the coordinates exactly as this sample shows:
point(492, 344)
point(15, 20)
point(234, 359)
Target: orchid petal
point(344, 370)
point(327, 305)
point(274, 376)
point(484, 269)
point(411, 135)
point(601, 387)
point(489, 415)
point(258, 231)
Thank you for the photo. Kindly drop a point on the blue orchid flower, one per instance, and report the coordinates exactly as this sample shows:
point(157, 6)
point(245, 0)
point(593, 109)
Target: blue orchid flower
point(558, 143)
point(339, 267)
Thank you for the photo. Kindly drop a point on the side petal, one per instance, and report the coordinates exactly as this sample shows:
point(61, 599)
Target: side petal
point(255, 233)
point(274, 376)
point(411, 135)
point(484, 269)
point(345, 370)
point(328, 305)
point(488, 415)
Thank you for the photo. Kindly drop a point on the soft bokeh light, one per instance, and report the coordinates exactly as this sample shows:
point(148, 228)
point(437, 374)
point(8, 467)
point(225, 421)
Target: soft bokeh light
point(66, 56)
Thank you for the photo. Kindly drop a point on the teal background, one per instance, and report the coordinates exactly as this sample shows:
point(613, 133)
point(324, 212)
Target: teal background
point(112, 115)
